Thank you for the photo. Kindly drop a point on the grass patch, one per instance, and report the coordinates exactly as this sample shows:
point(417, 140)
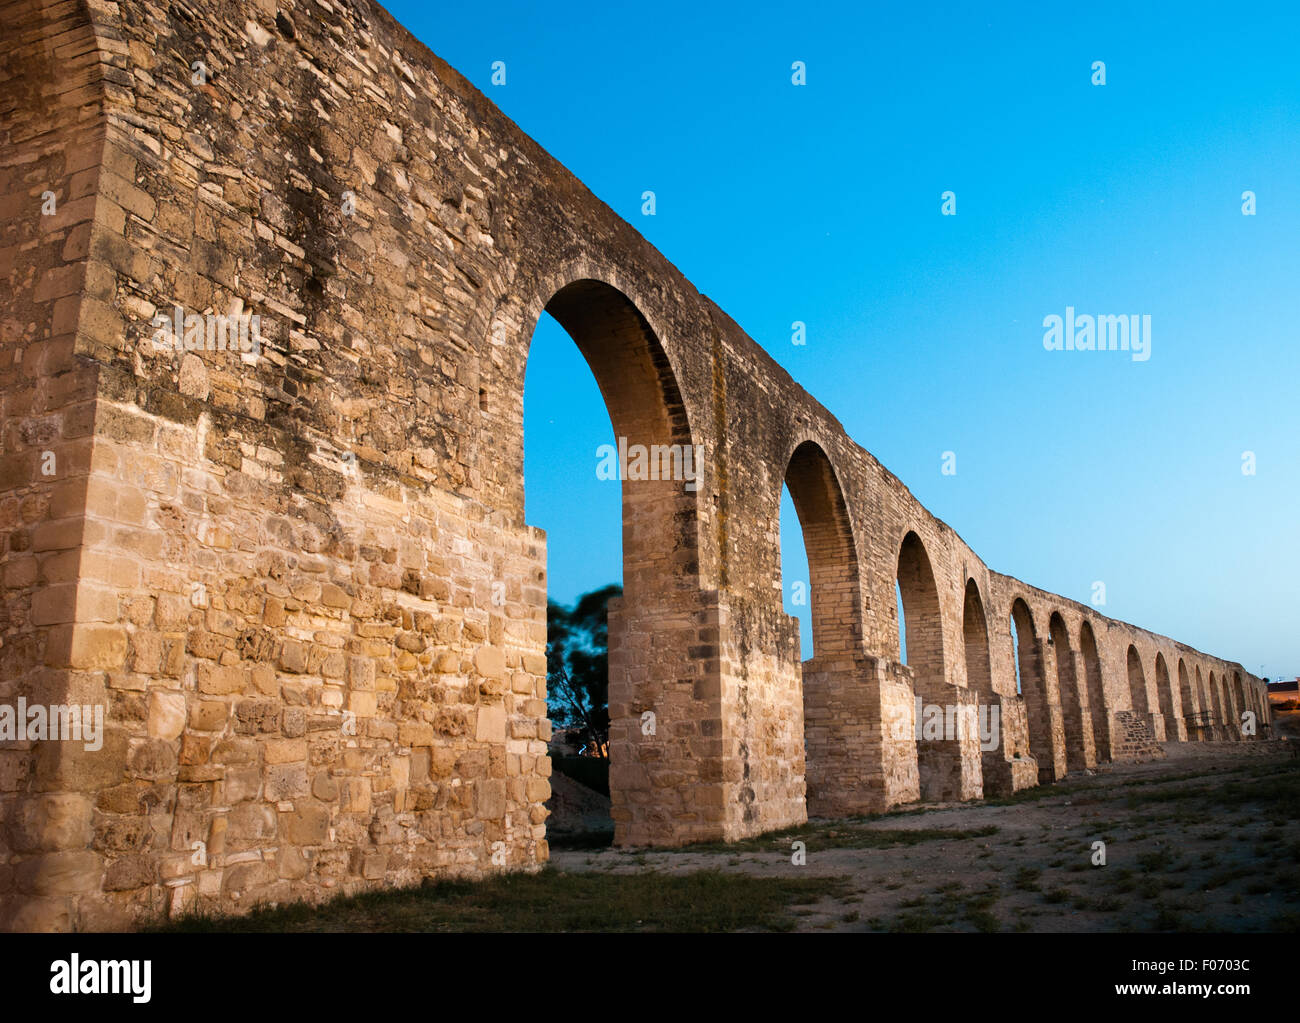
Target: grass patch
point(1026, 879)
point(918, 922)
point(1152, 861)
point(978, 911)
point(1271, 788)
point(549, 901)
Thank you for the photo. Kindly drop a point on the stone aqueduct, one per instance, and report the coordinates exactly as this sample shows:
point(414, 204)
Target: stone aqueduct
point(301, 582)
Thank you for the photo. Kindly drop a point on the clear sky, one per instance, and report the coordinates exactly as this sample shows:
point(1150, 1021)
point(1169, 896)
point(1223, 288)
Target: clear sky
point(822, 203)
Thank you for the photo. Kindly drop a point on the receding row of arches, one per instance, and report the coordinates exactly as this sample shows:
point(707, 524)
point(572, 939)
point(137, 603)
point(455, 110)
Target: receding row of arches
point(1194, 704)
point(1068, 724)
point(1058, 689)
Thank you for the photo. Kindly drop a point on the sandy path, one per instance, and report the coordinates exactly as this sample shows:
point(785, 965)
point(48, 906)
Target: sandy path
point(1204, 839)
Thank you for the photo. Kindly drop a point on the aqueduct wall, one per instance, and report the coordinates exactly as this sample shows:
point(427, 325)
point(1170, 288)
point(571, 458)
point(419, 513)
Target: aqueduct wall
point(300, 581)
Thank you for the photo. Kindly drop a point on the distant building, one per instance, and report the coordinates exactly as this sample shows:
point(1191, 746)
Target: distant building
point(1281, 692)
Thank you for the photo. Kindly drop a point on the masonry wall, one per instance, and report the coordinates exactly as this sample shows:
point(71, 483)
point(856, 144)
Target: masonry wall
point(300, 579)
point(51, 82)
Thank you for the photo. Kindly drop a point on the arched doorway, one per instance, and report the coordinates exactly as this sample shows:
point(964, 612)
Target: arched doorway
point(921, 649)
point(657, 783)
point(1239, 695)
point(1229, 712)
point(1217, 724)
point(1067, 683)
point(1205, 715)
point(1187, 698)
point(996, 773)
point(1165, 697)
point(1137, 685)
point(838, 707)
point(1097, 702)
point(1028, 657)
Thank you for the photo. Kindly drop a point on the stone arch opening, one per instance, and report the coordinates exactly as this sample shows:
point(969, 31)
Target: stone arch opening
point(1187, 697)
point(1073, 711)
point(1098, 706)
point(921, 649)
point(1239, 695)
point(1027, 655)
point(834, 592)
point(1165, 697)
point(1225, 702)
point(975, 642)
point(836, 711)
point(651, 457)
point(653, 452)
point(1216, 705)
point(979, 678)
point(1137, 683)
point(1204, 719)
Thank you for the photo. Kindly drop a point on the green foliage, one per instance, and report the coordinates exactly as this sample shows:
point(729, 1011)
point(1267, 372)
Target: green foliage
point(577, 665)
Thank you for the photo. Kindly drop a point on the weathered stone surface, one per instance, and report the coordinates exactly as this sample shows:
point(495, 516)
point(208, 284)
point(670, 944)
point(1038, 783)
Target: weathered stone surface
point(308, 826)
point(193, 379)
point(491, 725)
point(298, 577)
point(166, 714)
point(490, 661)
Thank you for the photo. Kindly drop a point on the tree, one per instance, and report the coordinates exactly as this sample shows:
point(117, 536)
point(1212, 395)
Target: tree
point(577, 665)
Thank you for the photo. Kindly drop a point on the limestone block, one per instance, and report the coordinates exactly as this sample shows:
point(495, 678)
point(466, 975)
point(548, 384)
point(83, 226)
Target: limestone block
point(166, 714)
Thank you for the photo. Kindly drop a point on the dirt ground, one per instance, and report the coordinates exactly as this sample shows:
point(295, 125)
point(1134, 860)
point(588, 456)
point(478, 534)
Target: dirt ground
point(1206, 839)
point(575, 809)
point(1287, 722)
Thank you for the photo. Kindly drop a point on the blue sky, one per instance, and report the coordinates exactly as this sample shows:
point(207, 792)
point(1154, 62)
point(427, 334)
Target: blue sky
point(821, 203)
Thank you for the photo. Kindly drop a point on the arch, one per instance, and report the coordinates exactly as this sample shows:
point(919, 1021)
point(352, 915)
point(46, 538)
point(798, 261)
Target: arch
point(645, 406)
point(836, 709)
point(1187, 698)
point(1216, 702)
point(654, 459)
point(1165, 697)
point(938, 760)
point(835, 594)
point(1028, 657)
point(1073, 709)
point(1097, 703)
point(1204, 721)
point(1231, 724)
point(975, 644)
point(1137, 683)
point(1240, 697)
point(996, 775)
point(1225, 701)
